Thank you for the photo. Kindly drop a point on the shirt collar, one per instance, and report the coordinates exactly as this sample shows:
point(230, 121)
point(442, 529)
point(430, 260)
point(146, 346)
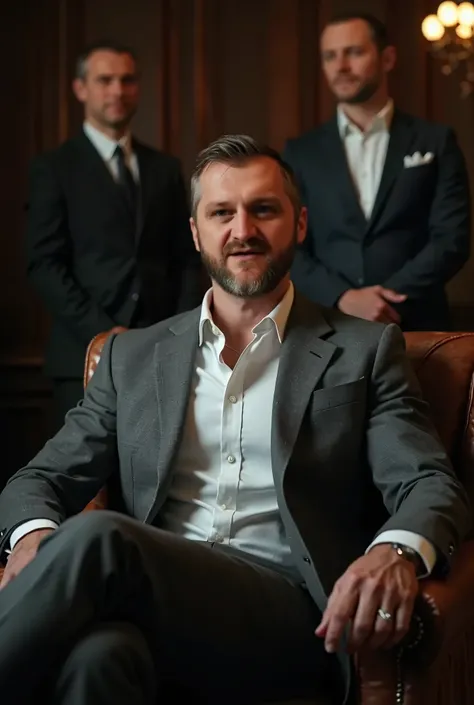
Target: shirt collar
point(106, 146)
point(380, 123)
point(278, 317)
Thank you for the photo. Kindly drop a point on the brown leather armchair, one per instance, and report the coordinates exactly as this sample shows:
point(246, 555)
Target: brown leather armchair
point(436, 667)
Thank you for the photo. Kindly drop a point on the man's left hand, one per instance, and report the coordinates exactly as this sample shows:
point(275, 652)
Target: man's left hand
point(380, 580)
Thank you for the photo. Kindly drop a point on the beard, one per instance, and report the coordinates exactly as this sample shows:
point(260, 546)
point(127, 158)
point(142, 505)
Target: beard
point(277, 268)
point(364, 93)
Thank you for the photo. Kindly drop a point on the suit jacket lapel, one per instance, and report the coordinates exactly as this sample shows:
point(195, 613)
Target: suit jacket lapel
point(339, 176)
point(101, 173)
point(402, 134)
point(174, 364)
point(304, 358)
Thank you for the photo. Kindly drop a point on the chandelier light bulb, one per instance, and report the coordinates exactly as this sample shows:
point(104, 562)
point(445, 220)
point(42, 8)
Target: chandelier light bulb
point(466, 14)
point(432, 28)
point(448, 13)
point(464, 31)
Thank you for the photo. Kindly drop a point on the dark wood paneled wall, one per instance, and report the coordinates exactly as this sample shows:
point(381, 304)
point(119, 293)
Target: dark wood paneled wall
point(208, 67)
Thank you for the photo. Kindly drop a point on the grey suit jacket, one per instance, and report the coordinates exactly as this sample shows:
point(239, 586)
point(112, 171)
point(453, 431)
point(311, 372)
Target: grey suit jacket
point(354, 452)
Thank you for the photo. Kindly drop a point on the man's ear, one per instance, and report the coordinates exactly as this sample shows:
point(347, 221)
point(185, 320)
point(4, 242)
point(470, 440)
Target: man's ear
point(79, 89)
point(194, 231)
point(389, 58)
point(302, 225)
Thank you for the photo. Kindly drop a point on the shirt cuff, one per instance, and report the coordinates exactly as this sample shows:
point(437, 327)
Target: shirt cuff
point(424, 548)
point(27, 527)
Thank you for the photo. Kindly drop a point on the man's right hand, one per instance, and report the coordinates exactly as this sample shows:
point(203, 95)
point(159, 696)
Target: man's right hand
point(371, 303)
point(23, 553)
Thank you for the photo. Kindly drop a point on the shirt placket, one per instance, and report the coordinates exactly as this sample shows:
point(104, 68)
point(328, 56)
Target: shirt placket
point(231, 454)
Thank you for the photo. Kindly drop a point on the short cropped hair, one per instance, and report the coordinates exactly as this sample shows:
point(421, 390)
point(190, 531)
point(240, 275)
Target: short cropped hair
point(105, 45)
point(236, 150)
point(378, 29)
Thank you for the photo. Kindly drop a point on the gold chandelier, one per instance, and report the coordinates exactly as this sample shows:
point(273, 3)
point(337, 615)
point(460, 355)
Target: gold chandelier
point(451, 32)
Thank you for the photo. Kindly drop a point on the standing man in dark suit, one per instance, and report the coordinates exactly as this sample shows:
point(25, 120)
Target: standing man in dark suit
point(387, 193)
point(273, 484)
point(108, 238)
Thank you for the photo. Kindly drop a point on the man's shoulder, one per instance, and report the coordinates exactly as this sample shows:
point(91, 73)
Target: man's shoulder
point(62, 156)
point(157, 155)
point(340, 328)
point(310, 139)
point(140, 341)
point(424, 126)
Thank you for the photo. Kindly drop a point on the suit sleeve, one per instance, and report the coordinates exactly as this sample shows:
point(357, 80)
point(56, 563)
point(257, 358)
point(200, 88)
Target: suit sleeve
point(409, 464)
point(449, 229)
point(185, 260)
point(311, 277)
point(49, 257)
point(73, 466)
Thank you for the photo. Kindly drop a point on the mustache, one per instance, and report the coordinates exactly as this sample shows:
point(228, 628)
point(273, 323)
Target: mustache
point(344, 76)
point(254, 245)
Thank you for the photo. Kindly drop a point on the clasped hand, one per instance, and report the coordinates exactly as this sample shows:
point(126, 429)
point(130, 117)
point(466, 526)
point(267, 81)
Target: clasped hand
point(381, 580)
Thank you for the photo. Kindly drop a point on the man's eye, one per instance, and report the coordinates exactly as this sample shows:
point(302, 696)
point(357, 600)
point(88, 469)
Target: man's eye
point(264, 209)
point(220, 213)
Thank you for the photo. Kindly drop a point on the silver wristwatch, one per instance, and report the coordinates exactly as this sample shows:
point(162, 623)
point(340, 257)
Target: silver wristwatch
point(409, 554)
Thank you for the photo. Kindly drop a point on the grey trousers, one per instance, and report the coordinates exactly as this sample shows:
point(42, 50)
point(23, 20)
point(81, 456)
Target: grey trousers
point(110, 610)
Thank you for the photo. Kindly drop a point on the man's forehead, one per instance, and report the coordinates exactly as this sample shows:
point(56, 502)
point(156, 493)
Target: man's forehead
point(260, 172)
point(103, 61)
point(351, 32)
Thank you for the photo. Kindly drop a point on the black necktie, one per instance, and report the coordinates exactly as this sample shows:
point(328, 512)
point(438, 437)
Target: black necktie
point(126, 180)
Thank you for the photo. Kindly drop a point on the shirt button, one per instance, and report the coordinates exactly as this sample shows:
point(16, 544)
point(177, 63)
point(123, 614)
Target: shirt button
point(232, 399)
point(230, 459)
point(219, 538)
point(223, 507)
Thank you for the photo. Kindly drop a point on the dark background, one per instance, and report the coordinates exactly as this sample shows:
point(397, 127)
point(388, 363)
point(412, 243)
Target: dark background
point(208, 67)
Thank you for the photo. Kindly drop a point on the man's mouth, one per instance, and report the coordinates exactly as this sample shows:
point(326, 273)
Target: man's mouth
point(246, 253)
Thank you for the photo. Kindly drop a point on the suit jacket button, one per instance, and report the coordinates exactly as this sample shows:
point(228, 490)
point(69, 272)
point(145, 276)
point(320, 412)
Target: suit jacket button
point(451, 549)
point(2, 533)
point(306, 559)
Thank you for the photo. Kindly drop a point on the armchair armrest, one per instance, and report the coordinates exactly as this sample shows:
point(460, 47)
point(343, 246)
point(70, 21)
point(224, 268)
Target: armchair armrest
point(451, 601)
point(99, 501)
point(432, 666)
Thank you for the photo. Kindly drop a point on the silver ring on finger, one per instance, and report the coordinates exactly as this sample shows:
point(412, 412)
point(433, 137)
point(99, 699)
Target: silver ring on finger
point(383, 614)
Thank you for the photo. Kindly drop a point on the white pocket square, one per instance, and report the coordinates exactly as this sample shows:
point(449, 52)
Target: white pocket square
point(417, 159)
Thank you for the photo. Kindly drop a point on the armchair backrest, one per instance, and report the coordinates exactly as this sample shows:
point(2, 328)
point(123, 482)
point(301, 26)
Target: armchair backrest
point(444, 364)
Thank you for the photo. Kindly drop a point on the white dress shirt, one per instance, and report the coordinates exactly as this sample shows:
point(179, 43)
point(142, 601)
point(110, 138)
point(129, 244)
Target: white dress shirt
point(222, 488)
point(106, 148)
point(366, 153)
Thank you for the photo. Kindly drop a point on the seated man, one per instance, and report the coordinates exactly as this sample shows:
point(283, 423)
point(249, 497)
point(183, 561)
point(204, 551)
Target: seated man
point(281, 486)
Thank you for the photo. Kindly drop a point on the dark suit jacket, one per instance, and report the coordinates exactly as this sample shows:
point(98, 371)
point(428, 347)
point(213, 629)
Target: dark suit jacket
point(93, 266)
point(417, 237)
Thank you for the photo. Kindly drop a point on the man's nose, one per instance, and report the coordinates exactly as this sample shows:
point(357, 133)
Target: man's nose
point(341, 63)
point(244, 225)
point(116, 87)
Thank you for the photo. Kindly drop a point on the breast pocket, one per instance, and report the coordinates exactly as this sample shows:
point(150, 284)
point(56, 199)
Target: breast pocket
point(337, 419)
point(340, 395)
